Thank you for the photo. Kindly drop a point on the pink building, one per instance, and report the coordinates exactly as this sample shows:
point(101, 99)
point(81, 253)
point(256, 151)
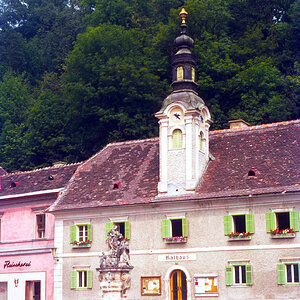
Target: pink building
point(27, 233)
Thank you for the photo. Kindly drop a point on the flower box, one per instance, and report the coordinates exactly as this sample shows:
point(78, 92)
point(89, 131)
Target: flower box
point(175, 240)
point(283, 235)
point(236, 236)
point(239, 238)
point(83, 244)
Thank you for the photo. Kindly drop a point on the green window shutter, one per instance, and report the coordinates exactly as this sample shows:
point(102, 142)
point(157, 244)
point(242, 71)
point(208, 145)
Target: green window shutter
point(229, 275)
point(280, 273)
point(249, 223)
point(108, 227)
point(294, 220)
point(184, 227)
point(90, 232)
point(270, 221)
point(249, 275)
point(177, 139)
point(72, 233)
point(227, 224)
point(165, 228)
point(73, 279)
point(127, 230)
point(89, 279)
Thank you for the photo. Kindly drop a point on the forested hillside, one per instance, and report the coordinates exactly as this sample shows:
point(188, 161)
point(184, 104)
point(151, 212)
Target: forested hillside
point(75, 75)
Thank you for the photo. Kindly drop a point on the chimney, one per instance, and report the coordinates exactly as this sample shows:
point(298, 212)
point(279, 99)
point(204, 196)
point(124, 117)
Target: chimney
point(236, 124)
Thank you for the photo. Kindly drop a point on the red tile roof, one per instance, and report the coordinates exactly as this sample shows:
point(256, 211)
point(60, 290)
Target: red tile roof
point(273, 150)
point(50, 178)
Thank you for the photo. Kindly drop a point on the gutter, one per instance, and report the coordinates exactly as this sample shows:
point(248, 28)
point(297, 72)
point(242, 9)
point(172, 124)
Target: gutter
point(32, 194)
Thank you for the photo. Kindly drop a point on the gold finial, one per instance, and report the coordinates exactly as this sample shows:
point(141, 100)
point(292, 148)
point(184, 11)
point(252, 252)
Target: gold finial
point(183, 15)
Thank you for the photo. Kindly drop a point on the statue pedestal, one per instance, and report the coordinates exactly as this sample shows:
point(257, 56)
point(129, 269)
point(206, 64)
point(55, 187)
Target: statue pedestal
point(114, 282)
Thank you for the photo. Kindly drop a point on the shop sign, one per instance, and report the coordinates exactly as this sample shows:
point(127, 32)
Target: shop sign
point(177, 257)
point(9, 264)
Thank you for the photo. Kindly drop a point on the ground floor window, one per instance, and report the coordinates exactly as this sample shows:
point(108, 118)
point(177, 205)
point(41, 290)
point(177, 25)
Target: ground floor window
point(81, 279)
point(32, 290)
point(288, 273)
point(239, 274)
point(3, 290)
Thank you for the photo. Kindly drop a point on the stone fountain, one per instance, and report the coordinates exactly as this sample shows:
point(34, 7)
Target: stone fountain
point(115, 267)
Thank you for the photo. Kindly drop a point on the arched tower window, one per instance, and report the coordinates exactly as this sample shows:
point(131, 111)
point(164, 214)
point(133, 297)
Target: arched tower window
point(193, 74)
point(202, 141)
point(177, 139)
point(179, 73)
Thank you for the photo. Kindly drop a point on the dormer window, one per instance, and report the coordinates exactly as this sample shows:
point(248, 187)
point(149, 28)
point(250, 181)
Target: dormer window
point(251, 172)
point(177, 139)
point(14, 184)
point(117, 186)
point(179, 73)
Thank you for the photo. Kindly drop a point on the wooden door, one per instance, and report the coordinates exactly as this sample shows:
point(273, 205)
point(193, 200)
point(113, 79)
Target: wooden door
point(178, 285)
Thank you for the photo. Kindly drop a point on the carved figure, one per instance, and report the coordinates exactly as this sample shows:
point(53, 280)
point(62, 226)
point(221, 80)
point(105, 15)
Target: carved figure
point(125, 278)
point(123, 254)
point(118, 255)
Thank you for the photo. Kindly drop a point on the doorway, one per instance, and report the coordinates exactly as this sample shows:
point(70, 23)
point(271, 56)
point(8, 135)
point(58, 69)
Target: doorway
point(178, 285)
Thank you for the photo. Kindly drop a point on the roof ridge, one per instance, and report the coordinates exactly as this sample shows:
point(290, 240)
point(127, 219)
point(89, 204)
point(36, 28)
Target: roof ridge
point(283, 123)
point(41, 169)
point(133, 141)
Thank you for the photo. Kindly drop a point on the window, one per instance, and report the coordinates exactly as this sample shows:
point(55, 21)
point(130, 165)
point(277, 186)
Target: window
point(3, 290)
point(123, 227)
point(288, 273)
point(251, 172)
point(177, 139)
point(81, 235)
point(33, 290)
point(175, 229)
point(239, 225)
point(193, 74)
point(180, 73)
point(238, 274)
point(281, 221)
point(202, 141)
point(40, 226)
point(81, 279)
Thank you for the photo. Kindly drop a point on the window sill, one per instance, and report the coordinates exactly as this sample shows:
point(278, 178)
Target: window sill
point(239, 238)
point(207, 295)
point(82, 246)
point(283, 236)
point(177, 241)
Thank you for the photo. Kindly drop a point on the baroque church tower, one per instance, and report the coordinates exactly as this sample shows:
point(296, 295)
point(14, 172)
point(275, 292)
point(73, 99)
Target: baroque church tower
point(184, 122)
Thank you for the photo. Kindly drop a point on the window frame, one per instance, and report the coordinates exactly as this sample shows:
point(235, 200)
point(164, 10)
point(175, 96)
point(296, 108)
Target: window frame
point(74, 235)
point(230, 274)
point(272, 223)
point(109, 226)
point(37, 226)
point(177, 139)
point(179, 73)
point(75, 274)
point(166, 227)
point(230, 226)
point(282, 273)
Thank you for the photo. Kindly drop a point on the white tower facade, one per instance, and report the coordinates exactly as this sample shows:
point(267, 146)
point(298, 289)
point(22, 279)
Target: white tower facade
point(184, 122)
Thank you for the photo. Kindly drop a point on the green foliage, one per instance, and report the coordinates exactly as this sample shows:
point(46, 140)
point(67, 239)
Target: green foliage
point(96, 71)
point(112, 91)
